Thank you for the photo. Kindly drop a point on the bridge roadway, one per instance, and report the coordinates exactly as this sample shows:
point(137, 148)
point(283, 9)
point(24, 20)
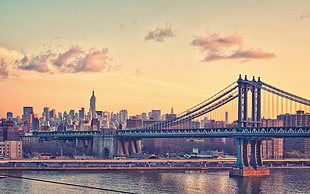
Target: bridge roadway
point(179, 133)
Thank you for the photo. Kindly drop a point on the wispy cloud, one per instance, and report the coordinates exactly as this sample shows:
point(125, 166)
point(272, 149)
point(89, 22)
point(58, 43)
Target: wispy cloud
point(8, 59)
point(160, 33)
point(214, 42)
point(74, 60)
point(4, 73)
point(243, 55)
point(304, 15)
point(219, 47)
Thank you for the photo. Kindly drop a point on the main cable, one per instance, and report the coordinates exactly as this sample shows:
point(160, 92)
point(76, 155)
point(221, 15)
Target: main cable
point(68, 184)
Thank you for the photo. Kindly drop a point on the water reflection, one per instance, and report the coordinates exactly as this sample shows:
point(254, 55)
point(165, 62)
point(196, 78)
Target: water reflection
point(280, 181)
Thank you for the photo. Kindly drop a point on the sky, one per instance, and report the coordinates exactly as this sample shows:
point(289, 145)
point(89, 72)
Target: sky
point(146, 55)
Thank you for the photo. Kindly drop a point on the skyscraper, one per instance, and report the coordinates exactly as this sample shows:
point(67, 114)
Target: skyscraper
point(82, 113)
point(28, 110)
point(92, 108)
point(46, 113)
point(9, 115)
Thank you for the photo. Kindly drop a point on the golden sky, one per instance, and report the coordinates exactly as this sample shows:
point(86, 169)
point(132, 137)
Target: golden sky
point(144, 55)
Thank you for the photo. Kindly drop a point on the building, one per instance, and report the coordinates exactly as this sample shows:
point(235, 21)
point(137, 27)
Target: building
point(27, 110)
point(299, 119)
point(9, 115)
point(52, 114)
point(273, 147)
point(46, 114)
point(133, 123)
point(92, 103)
point(170, 116)
point(155, 115)
point(82, 113)
point(8, 131)
point(11, 149)
point(35, 125)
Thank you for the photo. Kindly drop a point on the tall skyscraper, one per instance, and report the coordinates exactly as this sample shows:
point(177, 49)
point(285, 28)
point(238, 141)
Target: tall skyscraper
point(82, 113)
point(123, 116)
point(92, 109)
point(52, 114)
point(9, 115)
point(28, 110)
point(46, 113)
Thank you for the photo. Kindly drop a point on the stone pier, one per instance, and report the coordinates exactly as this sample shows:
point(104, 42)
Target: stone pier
point(255, 167)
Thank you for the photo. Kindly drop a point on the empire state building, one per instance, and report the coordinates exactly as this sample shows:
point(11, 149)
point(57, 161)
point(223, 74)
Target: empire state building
point(92, 108)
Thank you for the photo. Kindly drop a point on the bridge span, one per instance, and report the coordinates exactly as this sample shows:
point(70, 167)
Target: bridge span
point(249, 133)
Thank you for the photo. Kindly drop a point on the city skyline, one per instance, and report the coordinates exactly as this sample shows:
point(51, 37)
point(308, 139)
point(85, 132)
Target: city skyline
point(143, 56)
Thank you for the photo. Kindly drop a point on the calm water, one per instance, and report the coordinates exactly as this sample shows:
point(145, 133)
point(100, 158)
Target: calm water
point(280, 181)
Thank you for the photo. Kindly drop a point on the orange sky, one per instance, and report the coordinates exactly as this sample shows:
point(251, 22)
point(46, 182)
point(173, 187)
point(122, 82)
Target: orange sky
point(141, 56)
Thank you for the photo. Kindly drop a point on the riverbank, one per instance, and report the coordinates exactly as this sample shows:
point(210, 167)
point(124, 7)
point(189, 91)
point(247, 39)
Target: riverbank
point(142, 164)
point(135, 168)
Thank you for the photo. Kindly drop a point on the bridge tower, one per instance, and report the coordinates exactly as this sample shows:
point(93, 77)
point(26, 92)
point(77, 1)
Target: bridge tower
point(249, 91)
point(105, 144)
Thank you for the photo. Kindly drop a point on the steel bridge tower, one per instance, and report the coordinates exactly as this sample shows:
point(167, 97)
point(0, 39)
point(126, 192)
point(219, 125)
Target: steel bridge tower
point(249, 91)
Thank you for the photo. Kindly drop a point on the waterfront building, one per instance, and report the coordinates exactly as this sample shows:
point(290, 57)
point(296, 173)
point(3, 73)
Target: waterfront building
point(11, 149)
point(8, 131)
point(272, 147)
point(298, 144)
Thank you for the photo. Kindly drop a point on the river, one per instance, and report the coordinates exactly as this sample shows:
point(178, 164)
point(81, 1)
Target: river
point(280, 181)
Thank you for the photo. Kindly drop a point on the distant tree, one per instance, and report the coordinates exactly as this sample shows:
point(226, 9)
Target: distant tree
point(294, 154)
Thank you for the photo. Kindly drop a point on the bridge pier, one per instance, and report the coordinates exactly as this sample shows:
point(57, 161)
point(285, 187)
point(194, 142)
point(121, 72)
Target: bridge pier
point(242, 167)
point(129, 146)
point(105, 144)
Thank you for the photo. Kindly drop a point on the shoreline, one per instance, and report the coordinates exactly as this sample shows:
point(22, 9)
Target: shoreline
point(131, 168)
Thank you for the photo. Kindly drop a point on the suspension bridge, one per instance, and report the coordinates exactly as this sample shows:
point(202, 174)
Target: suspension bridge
point(249, 101)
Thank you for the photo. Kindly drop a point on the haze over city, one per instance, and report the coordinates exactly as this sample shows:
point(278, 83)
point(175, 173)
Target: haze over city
point(148, 55)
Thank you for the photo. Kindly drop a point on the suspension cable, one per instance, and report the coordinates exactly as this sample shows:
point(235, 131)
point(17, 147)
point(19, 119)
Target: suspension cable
point(68, 184)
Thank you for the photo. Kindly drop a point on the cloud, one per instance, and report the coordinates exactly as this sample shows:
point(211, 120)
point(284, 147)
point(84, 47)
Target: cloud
point(7, 61)
point(4, 73)
point(305, 15)
point(74, 60)
point(244, 55)
point(34, 65)
point(252, 54)
point(160, 34)
point(214, 42)
point(65, 57)
point(37, 63)
point(219, 47)
point(94, 61)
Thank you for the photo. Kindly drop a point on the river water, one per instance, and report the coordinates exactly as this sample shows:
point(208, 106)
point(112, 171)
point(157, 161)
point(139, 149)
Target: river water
point(280, 181)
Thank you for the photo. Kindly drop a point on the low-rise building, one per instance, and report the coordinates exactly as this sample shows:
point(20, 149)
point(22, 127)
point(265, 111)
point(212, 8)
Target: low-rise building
point(11, 149)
